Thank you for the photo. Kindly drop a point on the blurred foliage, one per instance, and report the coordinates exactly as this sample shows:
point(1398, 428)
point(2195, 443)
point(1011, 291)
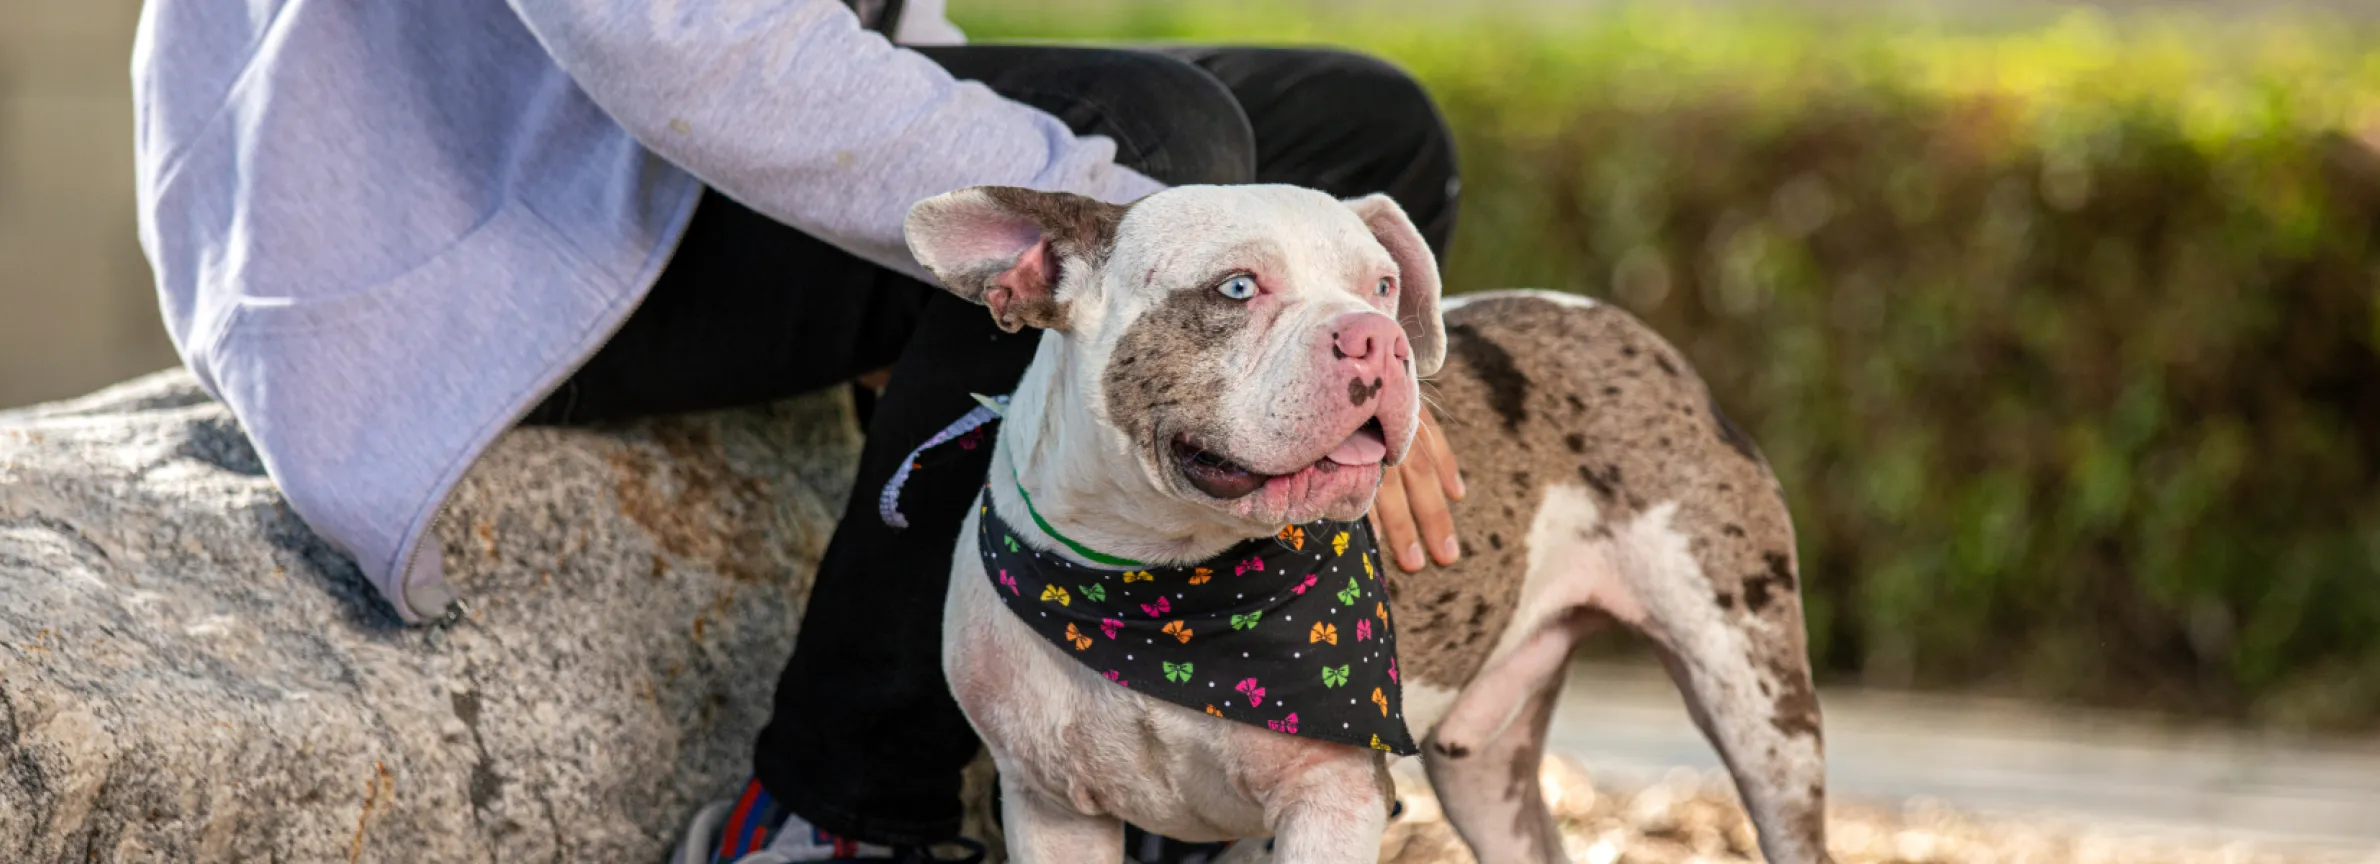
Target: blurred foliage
point(2062, 333)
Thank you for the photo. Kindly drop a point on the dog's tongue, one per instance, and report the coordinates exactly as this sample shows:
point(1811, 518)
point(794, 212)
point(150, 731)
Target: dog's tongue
point(1362, 448)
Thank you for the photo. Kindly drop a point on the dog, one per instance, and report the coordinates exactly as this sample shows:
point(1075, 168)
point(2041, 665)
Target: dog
point(1221, 362)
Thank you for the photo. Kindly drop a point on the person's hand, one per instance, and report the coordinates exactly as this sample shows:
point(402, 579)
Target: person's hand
point(1411, 509)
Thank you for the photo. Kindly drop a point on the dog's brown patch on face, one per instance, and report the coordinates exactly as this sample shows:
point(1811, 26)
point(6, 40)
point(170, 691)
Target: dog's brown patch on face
point(1359, 393)
point(1166, 372)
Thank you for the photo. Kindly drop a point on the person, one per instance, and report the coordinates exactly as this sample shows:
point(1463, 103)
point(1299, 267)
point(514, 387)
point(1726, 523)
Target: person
point(384, 233)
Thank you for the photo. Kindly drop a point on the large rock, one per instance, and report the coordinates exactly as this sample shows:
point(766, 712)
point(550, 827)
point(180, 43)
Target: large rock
point(188, 674)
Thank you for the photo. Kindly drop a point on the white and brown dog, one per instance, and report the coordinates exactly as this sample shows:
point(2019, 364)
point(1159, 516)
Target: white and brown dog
point(1211, 351)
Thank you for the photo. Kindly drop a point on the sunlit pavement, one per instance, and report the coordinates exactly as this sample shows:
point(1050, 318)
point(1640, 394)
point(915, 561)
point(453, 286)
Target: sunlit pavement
point(2001, 758)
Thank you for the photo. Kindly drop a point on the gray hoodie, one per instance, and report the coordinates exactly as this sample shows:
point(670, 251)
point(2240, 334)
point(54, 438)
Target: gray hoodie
point(382, 231)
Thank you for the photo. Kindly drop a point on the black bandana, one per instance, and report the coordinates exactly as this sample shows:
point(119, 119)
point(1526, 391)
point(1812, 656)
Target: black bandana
point(1290, 633)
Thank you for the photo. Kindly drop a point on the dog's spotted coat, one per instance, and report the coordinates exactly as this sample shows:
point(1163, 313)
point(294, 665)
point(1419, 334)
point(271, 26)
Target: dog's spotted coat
point(1604, 483)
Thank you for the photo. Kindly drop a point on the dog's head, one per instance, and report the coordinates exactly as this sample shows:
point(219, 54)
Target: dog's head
point(1255, 349)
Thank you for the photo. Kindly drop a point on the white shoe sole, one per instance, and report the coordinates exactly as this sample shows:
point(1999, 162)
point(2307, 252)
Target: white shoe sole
point(702, 834)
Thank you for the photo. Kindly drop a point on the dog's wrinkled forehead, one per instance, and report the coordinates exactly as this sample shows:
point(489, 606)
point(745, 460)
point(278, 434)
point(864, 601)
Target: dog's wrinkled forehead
point(1295, 242)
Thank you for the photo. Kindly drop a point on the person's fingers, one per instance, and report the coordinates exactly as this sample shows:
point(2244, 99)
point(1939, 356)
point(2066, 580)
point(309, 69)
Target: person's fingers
point(1450, 475)
point(1429, 511)
point(1393, 519)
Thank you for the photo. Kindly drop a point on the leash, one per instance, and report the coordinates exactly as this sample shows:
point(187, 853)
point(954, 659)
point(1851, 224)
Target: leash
point(987, 409)
point(888, 503)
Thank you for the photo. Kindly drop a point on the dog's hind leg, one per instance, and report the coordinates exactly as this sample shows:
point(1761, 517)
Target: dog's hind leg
point(1731, 635)
point(1483, 759)
point(1041, 831)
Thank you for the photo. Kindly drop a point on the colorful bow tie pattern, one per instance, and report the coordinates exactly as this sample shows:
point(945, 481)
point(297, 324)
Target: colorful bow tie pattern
point(1257, 647)
point(1249, 689)
point(1294, 536)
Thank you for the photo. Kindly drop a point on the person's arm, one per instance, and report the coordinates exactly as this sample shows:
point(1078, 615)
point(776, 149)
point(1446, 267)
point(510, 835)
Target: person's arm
point(791, 108)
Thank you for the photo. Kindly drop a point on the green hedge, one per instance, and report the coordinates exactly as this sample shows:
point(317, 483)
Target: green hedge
point(2062, 333)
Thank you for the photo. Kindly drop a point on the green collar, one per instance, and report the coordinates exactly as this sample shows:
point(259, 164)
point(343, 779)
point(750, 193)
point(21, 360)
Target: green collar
point(1079, 549)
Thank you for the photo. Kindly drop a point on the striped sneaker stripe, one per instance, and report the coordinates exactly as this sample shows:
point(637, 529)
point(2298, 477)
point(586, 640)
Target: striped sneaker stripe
point(731, 845)
point(757, 835)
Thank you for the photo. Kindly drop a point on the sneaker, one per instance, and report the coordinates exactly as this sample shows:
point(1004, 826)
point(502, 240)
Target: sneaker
point(751, 829)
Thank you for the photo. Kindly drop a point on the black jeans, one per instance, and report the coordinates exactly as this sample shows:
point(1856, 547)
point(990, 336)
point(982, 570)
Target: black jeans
point(865, 740)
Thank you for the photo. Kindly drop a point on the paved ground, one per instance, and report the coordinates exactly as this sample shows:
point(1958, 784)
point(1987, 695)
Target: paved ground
point(2009, 763)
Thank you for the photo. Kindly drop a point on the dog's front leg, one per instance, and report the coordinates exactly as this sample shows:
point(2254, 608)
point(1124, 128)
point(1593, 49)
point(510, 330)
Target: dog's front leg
point(1483, 758)
point(1043, 831)
point(1333, 813)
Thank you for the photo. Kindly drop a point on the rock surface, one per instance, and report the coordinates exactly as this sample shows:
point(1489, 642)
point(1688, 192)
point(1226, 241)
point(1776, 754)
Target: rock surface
point(188, 674)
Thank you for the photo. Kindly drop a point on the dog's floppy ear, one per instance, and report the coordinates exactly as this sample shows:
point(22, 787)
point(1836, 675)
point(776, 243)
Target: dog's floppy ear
point(1007, 248)
point(1417, 279)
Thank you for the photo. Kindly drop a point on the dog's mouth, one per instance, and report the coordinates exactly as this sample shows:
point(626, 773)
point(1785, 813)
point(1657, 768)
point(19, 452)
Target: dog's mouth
point(1216, 475)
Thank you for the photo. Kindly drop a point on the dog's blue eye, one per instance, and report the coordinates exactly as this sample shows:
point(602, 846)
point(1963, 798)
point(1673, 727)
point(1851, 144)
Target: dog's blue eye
point(1238, 287)
point(1383, 288)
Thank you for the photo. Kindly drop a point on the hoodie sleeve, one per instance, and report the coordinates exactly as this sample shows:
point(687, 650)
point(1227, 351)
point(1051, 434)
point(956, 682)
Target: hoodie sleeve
point(790, 107)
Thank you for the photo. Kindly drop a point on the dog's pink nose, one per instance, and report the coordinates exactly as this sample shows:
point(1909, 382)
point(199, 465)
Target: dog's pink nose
point(1369, 337)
